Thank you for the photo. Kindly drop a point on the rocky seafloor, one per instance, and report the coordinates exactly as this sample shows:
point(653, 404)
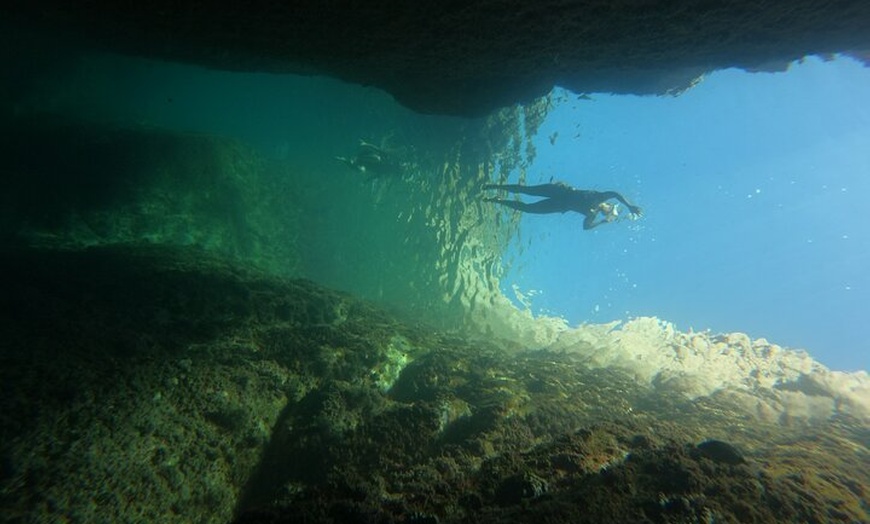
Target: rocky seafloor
point(147, 384)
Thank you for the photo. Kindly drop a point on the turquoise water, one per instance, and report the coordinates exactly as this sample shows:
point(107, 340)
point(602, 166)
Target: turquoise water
point(752, 187)
point(249, 165)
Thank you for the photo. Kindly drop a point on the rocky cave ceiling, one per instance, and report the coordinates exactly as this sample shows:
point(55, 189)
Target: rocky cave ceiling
point(466, 57)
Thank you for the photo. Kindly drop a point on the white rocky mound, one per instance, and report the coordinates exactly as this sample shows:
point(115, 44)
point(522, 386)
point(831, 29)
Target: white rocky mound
point(770, 382)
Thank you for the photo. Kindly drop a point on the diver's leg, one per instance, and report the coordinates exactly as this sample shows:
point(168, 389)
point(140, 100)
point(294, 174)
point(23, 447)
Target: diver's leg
point(541, 207)
point(542, 190)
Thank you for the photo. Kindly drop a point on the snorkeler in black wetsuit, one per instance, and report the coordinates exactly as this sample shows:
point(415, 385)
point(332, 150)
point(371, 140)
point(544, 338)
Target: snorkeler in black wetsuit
point(561, 198)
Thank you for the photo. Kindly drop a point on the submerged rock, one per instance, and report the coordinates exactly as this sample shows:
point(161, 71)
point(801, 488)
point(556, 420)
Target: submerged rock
point(179, 387)
point(719, 451)
point(519, 487)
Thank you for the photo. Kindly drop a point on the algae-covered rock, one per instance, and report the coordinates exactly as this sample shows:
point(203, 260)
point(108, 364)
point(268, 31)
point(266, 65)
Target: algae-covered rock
point(146, 384)
point(74, 184)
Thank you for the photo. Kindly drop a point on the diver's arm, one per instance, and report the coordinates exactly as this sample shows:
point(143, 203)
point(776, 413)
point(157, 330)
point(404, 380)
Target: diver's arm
point(589, 222)
point(635, 210)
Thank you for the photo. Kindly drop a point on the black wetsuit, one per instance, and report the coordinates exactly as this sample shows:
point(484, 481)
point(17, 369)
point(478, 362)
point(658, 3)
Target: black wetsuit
point(561, 198)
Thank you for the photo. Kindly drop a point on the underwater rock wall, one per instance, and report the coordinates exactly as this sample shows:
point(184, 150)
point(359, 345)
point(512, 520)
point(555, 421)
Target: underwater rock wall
point(73, 183)
point(418, 239)
point(468, 58)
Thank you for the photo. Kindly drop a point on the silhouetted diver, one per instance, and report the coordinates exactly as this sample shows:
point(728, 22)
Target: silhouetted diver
point(373, 161)
point(561, 198)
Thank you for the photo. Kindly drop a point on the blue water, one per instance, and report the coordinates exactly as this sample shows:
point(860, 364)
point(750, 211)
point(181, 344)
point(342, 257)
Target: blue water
point(754, 190)
point(752, 186)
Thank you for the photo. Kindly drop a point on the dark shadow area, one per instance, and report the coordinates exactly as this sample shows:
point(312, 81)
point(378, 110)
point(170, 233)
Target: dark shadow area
point(475, 59)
